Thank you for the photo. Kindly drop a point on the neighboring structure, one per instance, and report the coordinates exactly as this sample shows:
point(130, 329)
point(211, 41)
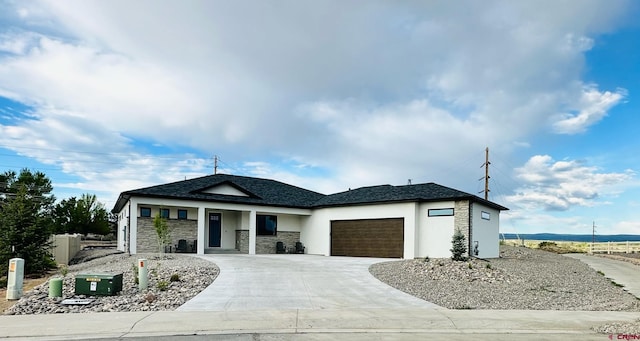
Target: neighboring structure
point(251, 215)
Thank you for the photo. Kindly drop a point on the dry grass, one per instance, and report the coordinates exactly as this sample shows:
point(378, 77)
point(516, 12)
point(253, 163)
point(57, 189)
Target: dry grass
point(27, 284)
point(560, 247)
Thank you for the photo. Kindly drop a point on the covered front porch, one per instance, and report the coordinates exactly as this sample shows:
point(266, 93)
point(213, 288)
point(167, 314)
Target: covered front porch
point(216, 228)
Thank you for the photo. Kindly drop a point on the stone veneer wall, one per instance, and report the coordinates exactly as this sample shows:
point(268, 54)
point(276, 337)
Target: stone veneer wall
point(242, 241)
point(267, 244)
point(180, 229)
point(461, 220)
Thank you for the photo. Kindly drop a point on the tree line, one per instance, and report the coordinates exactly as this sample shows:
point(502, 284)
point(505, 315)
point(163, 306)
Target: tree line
point(29, 215)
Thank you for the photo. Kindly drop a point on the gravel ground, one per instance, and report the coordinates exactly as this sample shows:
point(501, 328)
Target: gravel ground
point(521, 279)
point(194, 274)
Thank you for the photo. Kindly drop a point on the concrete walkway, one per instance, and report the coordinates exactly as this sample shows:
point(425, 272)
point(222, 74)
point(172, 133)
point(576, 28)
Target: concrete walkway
point(623, 273)
point(268, 282)
point(327, 324)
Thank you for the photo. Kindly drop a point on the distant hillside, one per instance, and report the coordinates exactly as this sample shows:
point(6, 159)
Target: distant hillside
point(573, 237)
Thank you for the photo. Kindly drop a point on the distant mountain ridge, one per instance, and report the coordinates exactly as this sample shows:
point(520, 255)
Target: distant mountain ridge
point(573, 237)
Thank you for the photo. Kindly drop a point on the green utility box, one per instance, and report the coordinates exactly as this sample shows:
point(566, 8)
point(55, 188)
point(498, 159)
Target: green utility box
point(98, 284)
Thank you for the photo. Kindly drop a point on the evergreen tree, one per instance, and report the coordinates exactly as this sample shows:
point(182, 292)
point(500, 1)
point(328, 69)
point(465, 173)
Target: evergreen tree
point(25, 230)
point(459, 246)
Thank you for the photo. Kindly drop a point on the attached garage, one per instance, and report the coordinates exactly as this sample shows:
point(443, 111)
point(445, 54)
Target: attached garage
point(383, 238)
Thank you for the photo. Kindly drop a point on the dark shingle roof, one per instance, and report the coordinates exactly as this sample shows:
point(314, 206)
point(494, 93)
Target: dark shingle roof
point(274, 193)
point(409, 193)
point(260, 192)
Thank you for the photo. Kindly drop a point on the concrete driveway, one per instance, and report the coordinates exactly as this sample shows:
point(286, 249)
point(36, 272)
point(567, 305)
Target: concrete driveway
point(623, 273)
point(269, 282)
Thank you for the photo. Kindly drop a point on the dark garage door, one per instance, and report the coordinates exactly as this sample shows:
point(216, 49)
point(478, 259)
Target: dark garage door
point(368, 238)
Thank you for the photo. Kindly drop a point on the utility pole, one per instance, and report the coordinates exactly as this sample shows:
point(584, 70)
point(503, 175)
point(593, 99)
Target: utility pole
point(215, 164)
point(486, 174)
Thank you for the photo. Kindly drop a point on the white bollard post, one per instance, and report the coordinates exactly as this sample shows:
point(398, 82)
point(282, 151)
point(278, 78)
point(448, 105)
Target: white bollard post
point(15, 278)
point(143, 274)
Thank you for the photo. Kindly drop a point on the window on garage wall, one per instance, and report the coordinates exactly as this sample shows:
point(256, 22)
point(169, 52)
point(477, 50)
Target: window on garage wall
point(440, 212)
point(267, 225)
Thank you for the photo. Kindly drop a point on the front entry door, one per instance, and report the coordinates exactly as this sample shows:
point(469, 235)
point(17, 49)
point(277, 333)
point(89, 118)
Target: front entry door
point(215, 229)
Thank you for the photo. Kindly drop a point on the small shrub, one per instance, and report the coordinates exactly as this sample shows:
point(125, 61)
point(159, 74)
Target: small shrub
point(464, 307)
point(470, 266)
point(175, 278)
point(154, 271)
point(543, 245)
point(64, 270)
point(617, 284)
point(134, 269)
point(489, 266)
point(162, 285)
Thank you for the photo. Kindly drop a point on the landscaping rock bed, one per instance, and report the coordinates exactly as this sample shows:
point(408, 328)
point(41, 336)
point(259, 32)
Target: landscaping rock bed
point(193, 274)
point(522, 278)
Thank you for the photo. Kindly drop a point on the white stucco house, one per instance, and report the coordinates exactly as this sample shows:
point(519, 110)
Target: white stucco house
point(250, 215)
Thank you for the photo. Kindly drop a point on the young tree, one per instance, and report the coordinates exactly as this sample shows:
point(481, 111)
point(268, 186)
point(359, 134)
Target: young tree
point(459, 246)
point(25, 224)
point(162, 231)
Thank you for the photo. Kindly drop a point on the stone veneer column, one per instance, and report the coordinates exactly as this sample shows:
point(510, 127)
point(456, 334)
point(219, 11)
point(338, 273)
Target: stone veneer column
point(461, 220)
point(242, 241)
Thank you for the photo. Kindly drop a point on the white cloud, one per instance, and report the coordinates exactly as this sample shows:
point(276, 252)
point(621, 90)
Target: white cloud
point(561, 185)
point(627, 227)
point(525, 222)
point(592, 107)
point(375, 93)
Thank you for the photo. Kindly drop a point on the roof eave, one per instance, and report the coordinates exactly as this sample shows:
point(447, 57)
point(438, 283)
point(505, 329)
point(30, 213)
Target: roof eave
point(161, 196)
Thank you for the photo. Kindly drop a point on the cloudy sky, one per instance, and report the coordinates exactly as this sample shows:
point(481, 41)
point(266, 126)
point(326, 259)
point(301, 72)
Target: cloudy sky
point(107, 96)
